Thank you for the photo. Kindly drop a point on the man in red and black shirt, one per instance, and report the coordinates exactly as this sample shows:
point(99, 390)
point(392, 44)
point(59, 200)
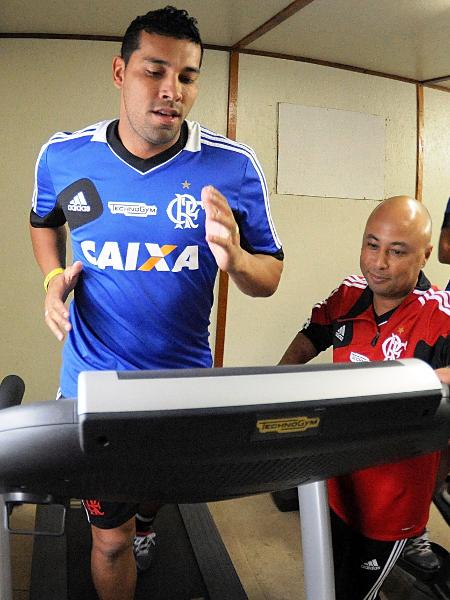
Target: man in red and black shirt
point(391, 312)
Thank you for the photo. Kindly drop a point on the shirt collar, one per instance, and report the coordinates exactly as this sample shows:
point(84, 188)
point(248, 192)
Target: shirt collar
point(144, 164)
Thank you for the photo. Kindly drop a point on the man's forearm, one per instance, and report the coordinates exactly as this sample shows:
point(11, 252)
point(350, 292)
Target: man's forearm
point(300, 351)
point(49, 247)
point(257, 275)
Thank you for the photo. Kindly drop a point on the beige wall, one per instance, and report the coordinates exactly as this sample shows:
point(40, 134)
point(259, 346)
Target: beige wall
point(321, 236)
point(436, 181)
point(52, 85)
point(47, 86)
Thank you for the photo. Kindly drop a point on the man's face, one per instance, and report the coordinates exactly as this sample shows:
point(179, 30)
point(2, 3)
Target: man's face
point(158, 88)
point(392, 254)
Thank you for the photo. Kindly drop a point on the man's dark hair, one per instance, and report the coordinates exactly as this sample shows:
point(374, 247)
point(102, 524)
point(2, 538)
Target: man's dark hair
point(168, 21)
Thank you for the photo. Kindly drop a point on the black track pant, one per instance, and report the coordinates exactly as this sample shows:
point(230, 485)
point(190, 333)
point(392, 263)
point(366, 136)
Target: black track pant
point(360, 564)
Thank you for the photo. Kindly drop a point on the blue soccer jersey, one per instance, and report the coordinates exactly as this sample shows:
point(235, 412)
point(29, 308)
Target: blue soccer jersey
point(144, 297)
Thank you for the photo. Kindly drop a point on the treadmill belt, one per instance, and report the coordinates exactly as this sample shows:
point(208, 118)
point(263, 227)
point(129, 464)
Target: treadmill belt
point(173, 575)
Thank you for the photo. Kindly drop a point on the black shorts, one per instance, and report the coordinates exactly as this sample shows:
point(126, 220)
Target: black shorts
point(108, 515)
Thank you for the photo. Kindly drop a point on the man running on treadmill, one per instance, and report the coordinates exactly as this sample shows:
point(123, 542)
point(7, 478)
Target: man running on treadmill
point(155, 205)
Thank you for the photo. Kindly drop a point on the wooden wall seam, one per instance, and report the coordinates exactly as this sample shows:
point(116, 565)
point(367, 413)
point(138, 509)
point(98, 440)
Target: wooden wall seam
point(420, 141)
point(222, 296)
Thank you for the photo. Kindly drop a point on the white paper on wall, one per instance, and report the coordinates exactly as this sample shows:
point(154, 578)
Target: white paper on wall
point(327, 152)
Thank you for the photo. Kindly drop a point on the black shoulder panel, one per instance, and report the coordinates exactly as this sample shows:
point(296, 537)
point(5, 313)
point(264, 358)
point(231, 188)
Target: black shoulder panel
point(437, 355)
point(80, 202)
point(321, 336)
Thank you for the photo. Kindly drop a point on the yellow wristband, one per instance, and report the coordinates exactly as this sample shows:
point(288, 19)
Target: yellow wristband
point(50, 276)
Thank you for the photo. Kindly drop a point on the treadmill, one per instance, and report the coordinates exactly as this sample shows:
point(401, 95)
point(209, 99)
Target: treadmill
point(199, 435)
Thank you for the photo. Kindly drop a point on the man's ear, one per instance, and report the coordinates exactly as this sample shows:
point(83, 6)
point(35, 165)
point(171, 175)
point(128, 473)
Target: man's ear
point(428, 251)
point(118, 69)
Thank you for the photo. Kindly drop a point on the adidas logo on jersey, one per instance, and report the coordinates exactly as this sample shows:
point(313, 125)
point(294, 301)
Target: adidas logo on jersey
point(371, 565)
point(79, 203)
point(340, 333)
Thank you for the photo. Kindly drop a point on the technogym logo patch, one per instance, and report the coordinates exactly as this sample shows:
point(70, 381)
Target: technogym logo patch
point(132, 209)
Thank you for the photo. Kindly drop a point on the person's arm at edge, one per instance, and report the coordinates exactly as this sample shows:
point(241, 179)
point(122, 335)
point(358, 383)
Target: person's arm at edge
point(49, 248)
point(444, 246)
point(300, 351)
point(257, 275)
point(444, 374)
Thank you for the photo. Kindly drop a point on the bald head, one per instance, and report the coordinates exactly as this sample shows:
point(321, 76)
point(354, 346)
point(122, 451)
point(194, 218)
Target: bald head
point(396, 246)
point(405, 213)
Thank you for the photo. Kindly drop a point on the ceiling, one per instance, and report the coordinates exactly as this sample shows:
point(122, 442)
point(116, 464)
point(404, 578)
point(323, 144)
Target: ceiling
point(405, 38)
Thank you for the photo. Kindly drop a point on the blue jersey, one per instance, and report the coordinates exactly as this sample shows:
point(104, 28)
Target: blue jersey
point(144, 297)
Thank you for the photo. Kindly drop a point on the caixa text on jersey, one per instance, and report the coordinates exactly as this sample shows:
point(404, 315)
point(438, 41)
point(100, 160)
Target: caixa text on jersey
point(138, 256)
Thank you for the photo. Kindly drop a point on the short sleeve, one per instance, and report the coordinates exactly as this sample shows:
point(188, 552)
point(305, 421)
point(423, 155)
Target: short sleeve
point(319, 327)
point(44, 210)
point(434, 347)
point(256, 227)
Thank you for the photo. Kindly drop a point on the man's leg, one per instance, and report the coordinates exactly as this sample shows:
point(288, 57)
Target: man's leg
point(112, 562)
point(361, 564)
point(418, 551)
point(144, 545)
point(442, 492)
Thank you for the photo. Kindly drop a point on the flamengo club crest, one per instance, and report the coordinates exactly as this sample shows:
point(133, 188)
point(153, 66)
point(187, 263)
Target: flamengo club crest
point(183, 211)
point(392, 347)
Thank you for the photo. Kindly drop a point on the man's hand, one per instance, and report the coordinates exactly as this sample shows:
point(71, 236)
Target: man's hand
point(256, 275)
point(444, 374)
point(56, 313)
point(222, 231)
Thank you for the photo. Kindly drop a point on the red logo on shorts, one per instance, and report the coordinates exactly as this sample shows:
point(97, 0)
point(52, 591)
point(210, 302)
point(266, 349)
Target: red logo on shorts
point(94, 507)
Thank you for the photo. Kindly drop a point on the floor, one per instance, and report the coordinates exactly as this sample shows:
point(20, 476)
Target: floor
point(265, 546)
point(263, 543)
point(21, 550)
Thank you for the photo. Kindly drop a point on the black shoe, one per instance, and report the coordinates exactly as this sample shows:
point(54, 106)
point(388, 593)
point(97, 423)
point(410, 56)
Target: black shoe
point(419, 553)
point(144, 548)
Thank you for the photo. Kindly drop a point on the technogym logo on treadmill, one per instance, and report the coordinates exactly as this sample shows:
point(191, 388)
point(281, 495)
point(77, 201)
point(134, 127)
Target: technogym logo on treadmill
point(137, 256)
point(287, 424)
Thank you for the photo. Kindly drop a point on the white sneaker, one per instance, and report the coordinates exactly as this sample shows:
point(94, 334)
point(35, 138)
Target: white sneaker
point(144, 548)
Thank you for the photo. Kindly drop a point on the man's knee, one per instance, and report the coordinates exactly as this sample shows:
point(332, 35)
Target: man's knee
point(112, 544)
